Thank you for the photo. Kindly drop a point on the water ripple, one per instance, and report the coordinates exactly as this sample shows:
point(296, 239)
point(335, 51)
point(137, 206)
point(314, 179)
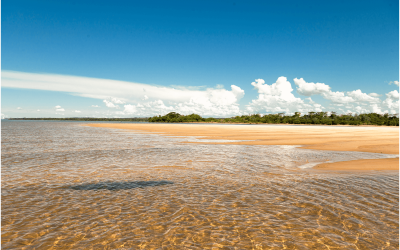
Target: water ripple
point(73, 187)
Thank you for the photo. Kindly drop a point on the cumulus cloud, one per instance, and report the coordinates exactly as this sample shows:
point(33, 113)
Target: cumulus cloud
point(359, 96)
point(278, 98)
point(3, 116)
point(394, 95)
point(361, 110)
point(337, 97)
point(310, 88)
point(19, 108)
point(392, 101)
point(376, 109)
point(117, 101)
point(58, 107)
point(217, 102)
point(95, 106)
point(109, 104)
point(77, 111)
point(393, 106)
point(38, 110)
point(309, 100)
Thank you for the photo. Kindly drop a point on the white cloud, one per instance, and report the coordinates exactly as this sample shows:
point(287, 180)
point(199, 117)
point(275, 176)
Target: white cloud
point(59, 108)
point(278, 98)
point(3, 116)
point(361, 110)
point(19, 108)
point(394, 95)
point(96, 88)
point(140, 99)
point(77, 111)
point(392, 105)
point(359, 96)
point(112, 92)
point(310, 88)
point(394, 82)
point(337, 97)
point(376, 109)
point(110, 104)
point(95, 106)
point(129, 109)
point(38, 110)
point(392, 101)
point(215, 102)
point(117, 101)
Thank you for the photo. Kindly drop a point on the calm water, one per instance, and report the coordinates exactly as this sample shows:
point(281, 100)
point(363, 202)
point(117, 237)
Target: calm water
point(66, 186)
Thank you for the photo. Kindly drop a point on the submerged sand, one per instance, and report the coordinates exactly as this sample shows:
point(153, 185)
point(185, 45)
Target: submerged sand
point(339, 138)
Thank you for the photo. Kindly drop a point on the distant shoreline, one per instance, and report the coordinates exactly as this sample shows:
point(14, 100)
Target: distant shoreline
point(197, 122)
point(80, 119)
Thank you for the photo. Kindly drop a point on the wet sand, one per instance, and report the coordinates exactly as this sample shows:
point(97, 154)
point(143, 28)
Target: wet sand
point(339, 138)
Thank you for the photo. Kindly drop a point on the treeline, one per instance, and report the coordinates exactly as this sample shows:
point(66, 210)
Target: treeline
point(87, 119)
point(310, 118)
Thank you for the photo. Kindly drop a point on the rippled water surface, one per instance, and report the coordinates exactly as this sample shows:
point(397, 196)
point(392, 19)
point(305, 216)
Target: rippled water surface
point(67, 186)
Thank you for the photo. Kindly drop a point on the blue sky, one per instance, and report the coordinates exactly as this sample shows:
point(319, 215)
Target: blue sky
point(144, 58)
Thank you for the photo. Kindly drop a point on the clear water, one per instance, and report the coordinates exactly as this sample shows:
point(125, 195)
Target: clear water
point(67, 186)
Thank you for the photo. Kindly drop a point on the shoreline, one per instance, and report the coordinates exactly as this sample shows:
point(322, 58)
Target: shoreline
point(373, 139)
point(219, 123)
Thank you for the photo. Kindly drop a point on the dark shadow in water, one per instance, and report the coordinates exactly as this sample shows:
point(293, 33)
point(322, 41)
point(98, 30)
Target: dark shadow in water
point(114, 186)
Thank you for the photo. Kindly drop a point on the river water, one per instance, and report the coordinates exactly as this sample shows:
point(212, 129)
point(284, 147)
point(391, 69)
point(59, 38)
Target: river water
point(68, 186)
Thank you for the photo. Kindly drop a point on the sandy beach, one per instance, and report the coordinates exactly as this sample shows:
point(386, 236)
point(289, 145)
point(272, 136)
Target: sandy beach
point(339, 138)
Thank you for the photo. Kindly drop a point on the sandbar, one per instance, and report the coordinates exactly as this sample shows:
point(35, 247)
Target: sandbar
point(377, 139)
point(370, 164)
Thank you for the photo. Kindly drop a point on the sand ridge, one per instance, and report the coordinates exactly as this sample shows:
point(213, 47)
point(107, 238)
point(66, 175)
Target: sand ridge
point(336, 138)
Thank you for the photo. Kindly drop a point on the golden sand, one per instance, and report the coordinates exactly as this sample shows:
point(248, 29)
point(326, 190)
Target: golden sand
point(344, 138)
point(370, 164)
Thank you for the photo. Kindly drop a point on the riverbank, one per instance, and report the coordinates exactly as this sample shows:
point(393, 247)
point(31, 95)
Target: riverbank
point(346, 138)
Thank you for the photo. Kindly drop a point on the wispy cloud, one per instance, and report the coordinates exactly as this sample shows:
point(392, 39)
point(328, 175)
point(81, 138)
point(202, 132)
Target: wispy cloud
point(59, 108)
point(186, 100)
point(103, 89)
point(394, 82)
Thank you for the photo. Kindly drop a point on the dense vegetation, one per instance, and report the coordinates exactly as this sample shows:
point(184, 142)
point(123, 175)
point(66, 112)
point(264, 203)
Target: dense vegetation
point(310, 118)
point(87, 119)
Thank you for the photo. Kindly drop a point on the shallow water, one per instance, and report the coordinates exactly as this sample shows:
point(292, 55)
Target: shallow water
point(74, 187)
